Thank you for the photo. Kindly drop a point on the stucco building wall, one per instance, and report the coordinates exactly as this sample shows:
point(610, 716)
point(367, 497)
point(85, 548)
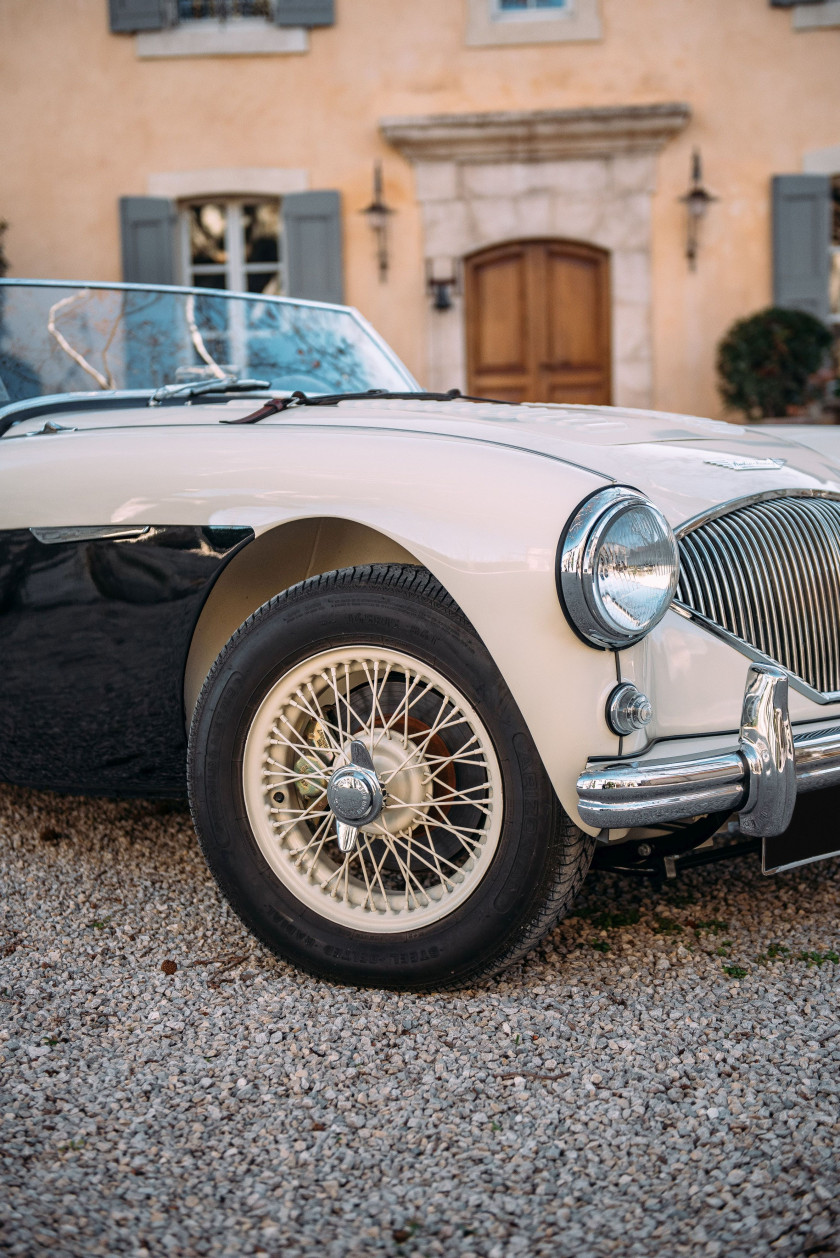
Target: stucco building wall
point(84, 121)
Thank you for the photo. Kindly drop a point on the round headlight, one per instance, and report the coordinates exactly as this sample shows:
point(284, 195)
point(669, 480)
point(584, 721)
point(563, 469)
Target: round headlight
point(618, 568)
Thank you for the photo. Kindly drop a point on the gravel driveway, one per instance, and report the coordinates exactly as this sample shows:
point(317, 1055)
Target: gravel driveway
point(660, 1077)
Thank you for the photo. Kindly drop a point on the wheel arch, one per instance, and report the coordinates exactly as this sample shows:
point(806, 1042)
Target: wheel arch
point(274, 561)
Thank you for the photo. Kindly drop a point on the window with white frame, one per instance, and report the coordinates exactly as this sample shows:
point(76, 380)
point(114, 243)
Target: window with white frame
point(222, 10)
point(219, 28)
point(233, 243)
point(499, 22)
point(525, 8)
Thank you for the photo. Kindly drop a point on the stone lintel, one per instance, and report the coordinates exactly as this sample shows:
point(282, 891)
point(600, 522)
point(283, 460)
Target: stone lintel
point(536, 135)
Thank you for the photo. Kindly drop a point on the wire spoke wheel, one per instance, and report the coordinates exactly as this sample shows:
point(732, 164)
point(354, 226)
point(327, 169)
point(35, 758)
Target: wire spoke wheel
point(442, 818)
point(370, 680)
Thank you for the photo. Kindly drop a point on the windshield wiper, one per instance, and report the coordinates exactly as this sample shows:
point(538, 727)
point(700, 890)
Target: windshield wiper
point(297, 398)
point(219, 384)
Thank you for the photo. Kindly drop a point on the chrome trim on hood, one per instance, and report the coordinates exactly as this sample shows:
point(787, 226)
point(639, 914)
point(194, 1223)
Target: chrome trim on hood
point(734, 504)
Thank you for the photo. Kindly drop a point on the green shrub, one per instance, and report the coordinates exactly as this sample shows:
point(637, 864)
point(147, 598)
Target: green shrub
point(765, 362)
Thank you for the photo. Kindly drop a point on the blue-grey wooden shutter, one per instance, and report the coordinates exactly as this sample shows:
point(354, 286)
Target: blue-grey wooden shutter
point(801, 242)
point(147, 226)
point(312, 241)
point(304, 12)
point(128, 16)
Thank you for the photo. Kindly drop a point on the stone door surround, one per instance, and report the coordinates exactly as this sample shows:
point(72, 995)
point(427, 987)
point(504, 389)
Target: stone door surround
point(574, 174)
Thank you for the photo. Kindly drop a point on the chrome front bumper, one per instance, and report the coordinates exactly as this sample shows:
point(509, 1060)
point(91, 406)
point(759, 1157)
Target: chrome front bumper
point(759, 780)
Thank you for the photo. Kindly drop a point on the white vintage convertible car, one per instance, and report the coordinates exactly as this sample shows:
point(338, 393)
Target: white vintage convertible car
point(416, 658)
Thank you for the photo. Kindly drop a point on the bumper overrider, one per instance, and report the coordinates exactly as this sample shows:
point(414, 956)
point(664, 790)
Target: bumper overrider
point(759, 780)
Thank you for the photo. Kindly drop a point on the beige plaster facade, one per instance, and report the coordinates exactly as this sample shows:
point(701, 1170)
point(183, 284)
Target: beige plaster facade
point(585, 137)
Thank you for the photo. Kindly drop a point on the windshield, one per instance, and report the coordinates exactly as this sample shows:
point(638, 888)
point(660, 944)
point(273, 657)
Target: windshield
point(68, 338)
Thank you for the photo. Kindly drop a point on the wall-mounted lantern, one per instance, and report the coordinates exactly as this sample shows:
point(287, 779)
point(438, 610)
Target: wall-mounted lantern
point(443, 281)
point(696, 201)
point(377, 214)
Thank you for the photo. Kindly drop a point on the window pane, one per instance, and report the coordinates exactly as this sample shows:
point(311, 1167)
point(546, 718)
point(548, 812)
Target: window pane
point(208, 227)
point(215, 279)
point(519, 6)
point(261, 225)
point(218, 10)
point(267, 282)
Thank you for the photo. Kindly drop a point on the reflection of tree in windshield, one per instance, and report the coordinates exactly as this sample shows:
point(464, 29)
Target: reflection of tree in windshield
point(59, 339)
point(309, 349)
point(295, 347)
point(103, 378)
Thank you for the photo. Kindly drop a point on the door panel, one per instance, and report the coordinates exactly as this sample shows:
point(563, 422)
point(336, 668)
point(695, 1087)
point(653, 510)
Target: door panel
point(500, 289)
point(538, 322)
point(573, 306)
point(499, 340)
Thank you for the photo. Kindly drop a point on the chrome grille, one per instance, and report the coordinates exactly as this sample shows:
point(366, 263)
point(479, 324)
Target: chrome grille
point(769, 572)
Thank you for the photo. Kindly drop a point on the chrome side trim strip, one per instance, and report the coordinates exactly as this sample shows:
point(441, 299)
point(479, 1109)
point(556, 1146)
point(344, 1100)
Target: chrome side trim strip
point(88, 533)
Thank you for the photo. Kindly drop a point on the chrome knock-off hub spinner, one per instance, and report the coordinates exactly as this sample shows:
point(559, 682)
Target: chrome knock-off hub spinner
point(355, 796)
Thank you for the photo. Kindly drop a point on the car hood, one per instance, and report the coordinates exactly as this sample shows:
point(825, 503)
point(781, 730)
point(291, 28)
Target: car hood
point(685, 464)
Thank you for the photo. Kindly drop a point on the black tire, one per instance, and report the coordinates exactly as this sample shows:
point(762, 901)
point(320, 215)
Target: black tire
point(540, 858)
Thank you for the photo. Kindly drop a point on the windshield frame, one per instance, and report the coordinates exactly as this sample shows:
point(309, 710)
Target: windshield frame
point(222, 294)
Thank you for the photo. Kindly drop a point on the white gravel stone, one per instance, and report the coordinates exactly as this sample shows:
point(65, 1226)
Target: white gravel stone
point(620, 1092)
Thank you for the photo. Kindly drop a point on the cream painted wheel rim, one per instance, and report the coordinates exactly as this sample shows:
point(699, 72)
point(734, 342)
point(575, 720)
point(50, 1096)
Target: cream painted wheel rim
point(437, 834)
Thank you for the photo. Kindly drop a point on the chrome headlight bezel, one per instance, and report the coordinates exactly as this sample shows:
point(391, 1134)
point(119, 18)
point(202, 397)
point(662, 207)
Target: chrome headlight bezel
point(577, 567)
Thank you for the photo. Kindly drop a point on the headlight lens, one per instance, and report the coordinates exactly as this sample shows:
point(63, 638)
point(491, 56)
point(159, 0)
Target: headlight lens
point(618, 568)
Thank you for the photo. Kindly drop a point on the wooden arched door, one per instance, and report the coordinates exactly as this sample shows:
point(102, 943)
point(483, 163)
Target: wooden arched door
point(538, 322)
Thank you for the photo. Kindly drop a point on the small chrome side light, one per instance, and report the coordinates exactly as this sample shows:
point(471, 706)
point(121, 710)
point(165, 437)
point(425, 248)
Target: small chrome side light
point(628, 709)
